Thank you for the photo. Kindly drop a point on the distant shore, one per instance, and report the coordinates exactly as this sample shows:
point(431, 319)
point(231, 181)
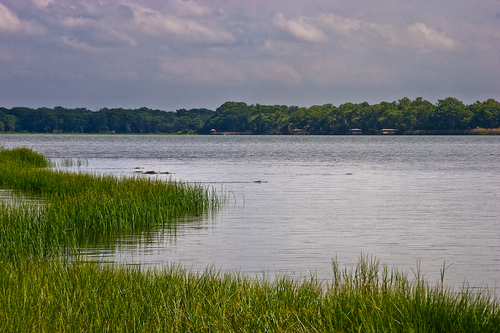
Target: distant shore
point(448, 116)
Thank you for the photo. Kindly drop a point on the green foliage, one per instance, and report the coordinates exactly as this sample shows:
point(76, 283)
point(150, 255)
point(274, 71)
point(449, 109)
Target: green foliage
point(448, 116)
point(485, 114)
point(77, 208)
point(22, 158)
point(55, 296)
point(451, 114)
point(61, 120)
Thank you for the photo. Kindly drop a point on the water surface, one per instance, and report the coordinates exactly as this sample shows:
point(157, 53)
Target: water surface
point(297, 202)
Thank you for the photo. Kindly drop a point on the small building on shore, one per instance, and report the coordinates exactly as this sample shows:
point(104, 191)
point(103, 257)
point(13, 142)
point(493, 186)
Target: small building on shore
point(298, 131)
point(387, 131)
point(355, 131)
point(214, 132)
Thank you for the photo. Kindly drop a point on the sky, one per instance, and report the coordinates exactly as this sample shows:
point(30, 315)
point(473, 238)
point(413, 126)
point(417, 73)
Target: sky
point(174, 54)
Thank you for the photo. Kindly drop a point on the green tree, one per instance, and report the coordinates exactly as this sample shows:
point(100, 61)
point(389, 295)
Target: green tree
point(485, 114)
point(10, 123)
point(451, 114)
point(422, 111)
point(231, 117)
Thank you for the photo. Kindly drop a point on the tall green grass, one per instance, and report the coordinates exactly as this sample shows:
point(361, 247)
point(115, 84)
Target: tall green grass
point(22, 157)
point(77, 207)
point(41, 291)
point(485, 131)
point(55, 296)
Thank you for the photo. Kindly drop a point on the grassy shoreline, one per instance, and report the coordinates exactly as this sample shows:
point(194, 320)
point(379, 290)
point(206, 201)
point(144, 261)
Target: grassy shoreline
point(50, 296)
point(80, 207)
point(40, 291)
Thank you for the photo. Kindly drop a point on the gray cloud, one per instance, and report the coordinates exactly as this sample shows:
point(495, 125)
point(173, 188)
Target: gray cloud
point(175, 54)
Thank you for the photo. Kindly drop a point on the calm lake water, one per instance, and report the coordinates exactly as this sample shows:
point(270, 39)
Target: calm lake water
point(427, 199)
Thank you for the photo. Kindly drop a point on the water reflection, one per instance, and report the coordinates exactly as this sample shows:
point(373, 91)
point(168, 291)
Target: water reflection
point(16, 198)
point(134, 247)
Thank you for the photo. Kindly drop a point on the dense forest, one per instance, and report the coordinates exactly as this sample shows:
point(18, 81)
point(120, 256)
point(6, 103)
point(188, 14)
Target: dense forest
point(448, 116)
point(62, 120)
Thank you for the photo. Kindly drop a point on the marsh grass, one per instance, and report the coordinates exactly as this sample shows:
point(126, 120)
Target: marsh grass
point(72, 162)
point(485, 131)
point(42, 291)
point(57, 296)
point(80, 207)
point(22, 157)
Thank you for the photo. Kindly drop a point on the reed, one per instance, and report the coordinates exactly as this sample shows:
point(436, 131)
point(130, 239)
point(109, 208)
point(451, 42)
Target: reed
point(485, 131)
point(24, 157)
point(50, 296)
point(80, 207)
point(42, 291)
point(70, 162)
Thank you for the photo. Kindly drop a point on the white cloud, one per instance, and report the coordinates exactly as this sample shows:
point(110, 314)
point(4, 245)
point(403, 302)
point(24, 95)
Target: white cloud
point(340, 25)
point(42, 3)
point(8, 20)
point(189, 8)
point(426, 36)
point(79, 45)
point(416, 36)
point(156, 23)
point(300, 29)
point(89, 35)
point(357, 34)
point(72, 22)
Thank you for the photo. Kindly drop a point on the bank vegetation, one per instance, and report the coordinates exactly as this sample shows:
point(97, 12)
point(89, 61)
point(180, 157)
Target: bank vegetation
point(405, 116)
point(46, 287)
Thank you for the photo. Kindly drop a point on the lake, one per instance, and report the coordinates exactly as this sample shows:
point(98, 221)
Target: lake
point(294, 203)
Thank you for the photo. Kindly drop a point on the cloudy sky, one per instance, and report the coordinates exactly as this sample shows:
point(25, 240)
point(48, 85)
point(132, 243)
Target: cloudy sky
point(172, 54)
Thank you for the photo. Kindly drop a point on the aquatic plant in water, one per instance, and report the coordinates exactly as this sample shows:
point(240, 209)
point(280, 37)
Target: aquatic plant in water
point(41, 291)
point(80, 205)
point(42, 295)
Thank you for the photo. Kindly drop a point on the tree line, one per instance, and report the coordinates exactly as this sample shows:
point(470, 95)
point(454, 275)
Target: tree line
point(447, 116)
point(404, 116)
point(81, 120)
